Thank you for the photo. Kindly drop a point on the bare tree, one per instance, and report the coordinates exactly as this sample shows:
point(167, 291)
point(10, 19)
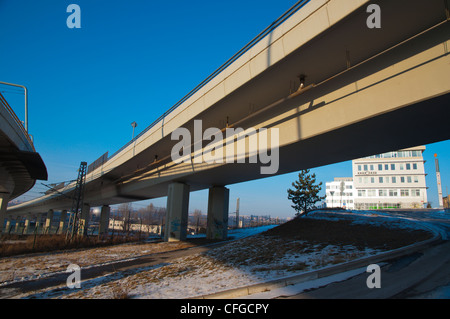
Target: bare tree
point(124, 211)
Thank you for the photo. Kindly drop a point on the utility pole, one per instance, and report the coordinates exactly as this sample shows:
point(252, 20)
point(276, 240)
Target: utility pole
point(438, 178)
point(77, 203)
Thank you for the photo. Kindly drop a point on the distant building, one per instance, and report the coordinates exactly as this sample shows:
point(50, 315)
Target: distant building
point(385, 181)
point(340, 193)
point(390, 180)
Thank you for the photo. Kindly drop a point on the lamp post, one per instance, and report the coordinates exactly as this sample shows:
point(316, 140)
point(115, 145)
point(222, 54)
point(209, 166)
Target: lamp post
point(134, 124)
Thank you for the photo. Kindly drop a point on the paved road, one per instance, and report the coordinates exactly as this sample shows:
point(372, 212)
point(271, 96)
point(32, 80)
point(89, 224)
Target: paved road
point(424, 274)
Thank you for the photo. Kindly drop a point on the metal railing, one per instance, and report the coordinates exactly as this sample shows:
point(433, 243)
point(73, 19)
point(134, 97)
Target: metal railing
point(236, 56)
point(19, 123)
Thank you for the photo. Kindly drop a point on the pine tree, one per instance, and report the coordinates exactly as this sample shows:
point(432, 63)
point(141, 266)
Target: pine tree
point(305, 193)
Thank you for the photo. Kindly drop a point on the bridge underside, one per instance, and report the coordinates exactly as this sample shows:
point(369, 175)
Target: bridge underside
point(366, 92)
point(396, 100)
point(422, 123)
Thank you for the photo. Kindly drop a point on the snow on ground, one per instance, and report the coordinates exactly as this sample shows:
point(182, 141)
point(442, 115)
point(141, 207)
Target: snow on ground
point(28, 267)
point(242, 262)
point(207, 273)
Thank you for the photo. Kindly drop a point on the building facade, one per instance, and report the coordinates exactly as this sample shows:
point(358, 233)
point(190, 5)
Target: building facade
point(390, 180)
point(340, 193)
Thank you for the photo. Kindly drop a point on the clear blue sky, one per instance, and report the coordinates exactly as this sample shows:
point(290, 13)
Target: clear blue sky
point(131, 61)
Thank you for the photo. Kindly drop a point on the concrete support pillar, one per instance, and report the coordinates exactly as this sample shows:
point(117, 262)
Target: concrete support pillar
point(38, 222)
point(104, 220)
point(48, 221)
point(27, 224)
point(4, 198)
point(8, 225)
point(177, 212)
point(17, 227)
point(84, 219)
point(62, 222)
point(217, 222)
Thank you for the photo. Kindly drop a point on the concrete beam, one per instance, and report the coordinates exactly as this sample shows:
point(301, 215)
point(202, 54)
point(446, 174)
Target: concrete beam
point(104, 219)
point(217, 222)
point(177, 212)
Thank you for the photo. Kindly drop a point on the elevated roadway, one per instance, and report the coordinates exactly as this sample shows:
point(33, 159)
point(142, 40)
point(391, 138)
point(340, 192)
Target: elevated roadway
point(333, 88)
point(20, 164)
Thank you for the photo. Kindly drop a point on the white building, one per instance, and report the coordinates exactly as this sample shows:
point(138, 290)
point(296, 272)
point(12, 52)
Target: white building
point(390, 180)
point(340, 193)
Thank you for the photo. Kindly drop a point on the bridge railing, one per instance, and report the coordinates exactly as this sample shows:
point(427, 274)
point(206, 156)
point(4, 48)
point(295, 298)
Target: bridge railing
point(236, 56)
point(19, 123)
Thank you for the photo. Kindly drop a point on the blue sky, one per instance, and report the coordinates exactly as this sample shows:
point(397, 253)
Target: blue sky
point(131, 61)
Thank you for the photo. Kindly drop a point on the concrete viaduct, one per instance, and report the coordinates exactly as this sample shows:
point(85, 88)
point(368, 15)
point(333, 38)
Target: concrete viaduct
point(334, 88)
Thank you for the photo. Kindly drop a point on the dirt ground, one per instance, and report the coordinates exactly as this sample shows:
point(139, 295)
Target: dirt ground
point(343, 232)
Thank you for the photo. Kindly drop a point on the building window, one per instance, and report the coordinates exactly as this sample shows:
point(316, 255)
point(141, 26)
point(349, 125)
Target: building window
point(402, 179)
point(386, 167)
point(365, 167)
point(393, 193)
point(401, 167)
point(392, 167)
point(380, 167)
point(415, 192)
point(409, 179)
point(361, 193)
point(386, 179)
point(359, 168)
point(371, 193)
point(372, 179)
point(371, 167)
point(404, 192)
point(394, 179)
point(414, 165)
point(382, 192)
point(416, 179)
point(380, 180)
point(408, 166)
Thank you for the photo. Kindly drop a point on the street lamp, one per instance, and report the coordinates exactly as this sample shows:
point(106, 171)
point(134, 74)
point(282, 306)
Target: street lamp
point(134, 124)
